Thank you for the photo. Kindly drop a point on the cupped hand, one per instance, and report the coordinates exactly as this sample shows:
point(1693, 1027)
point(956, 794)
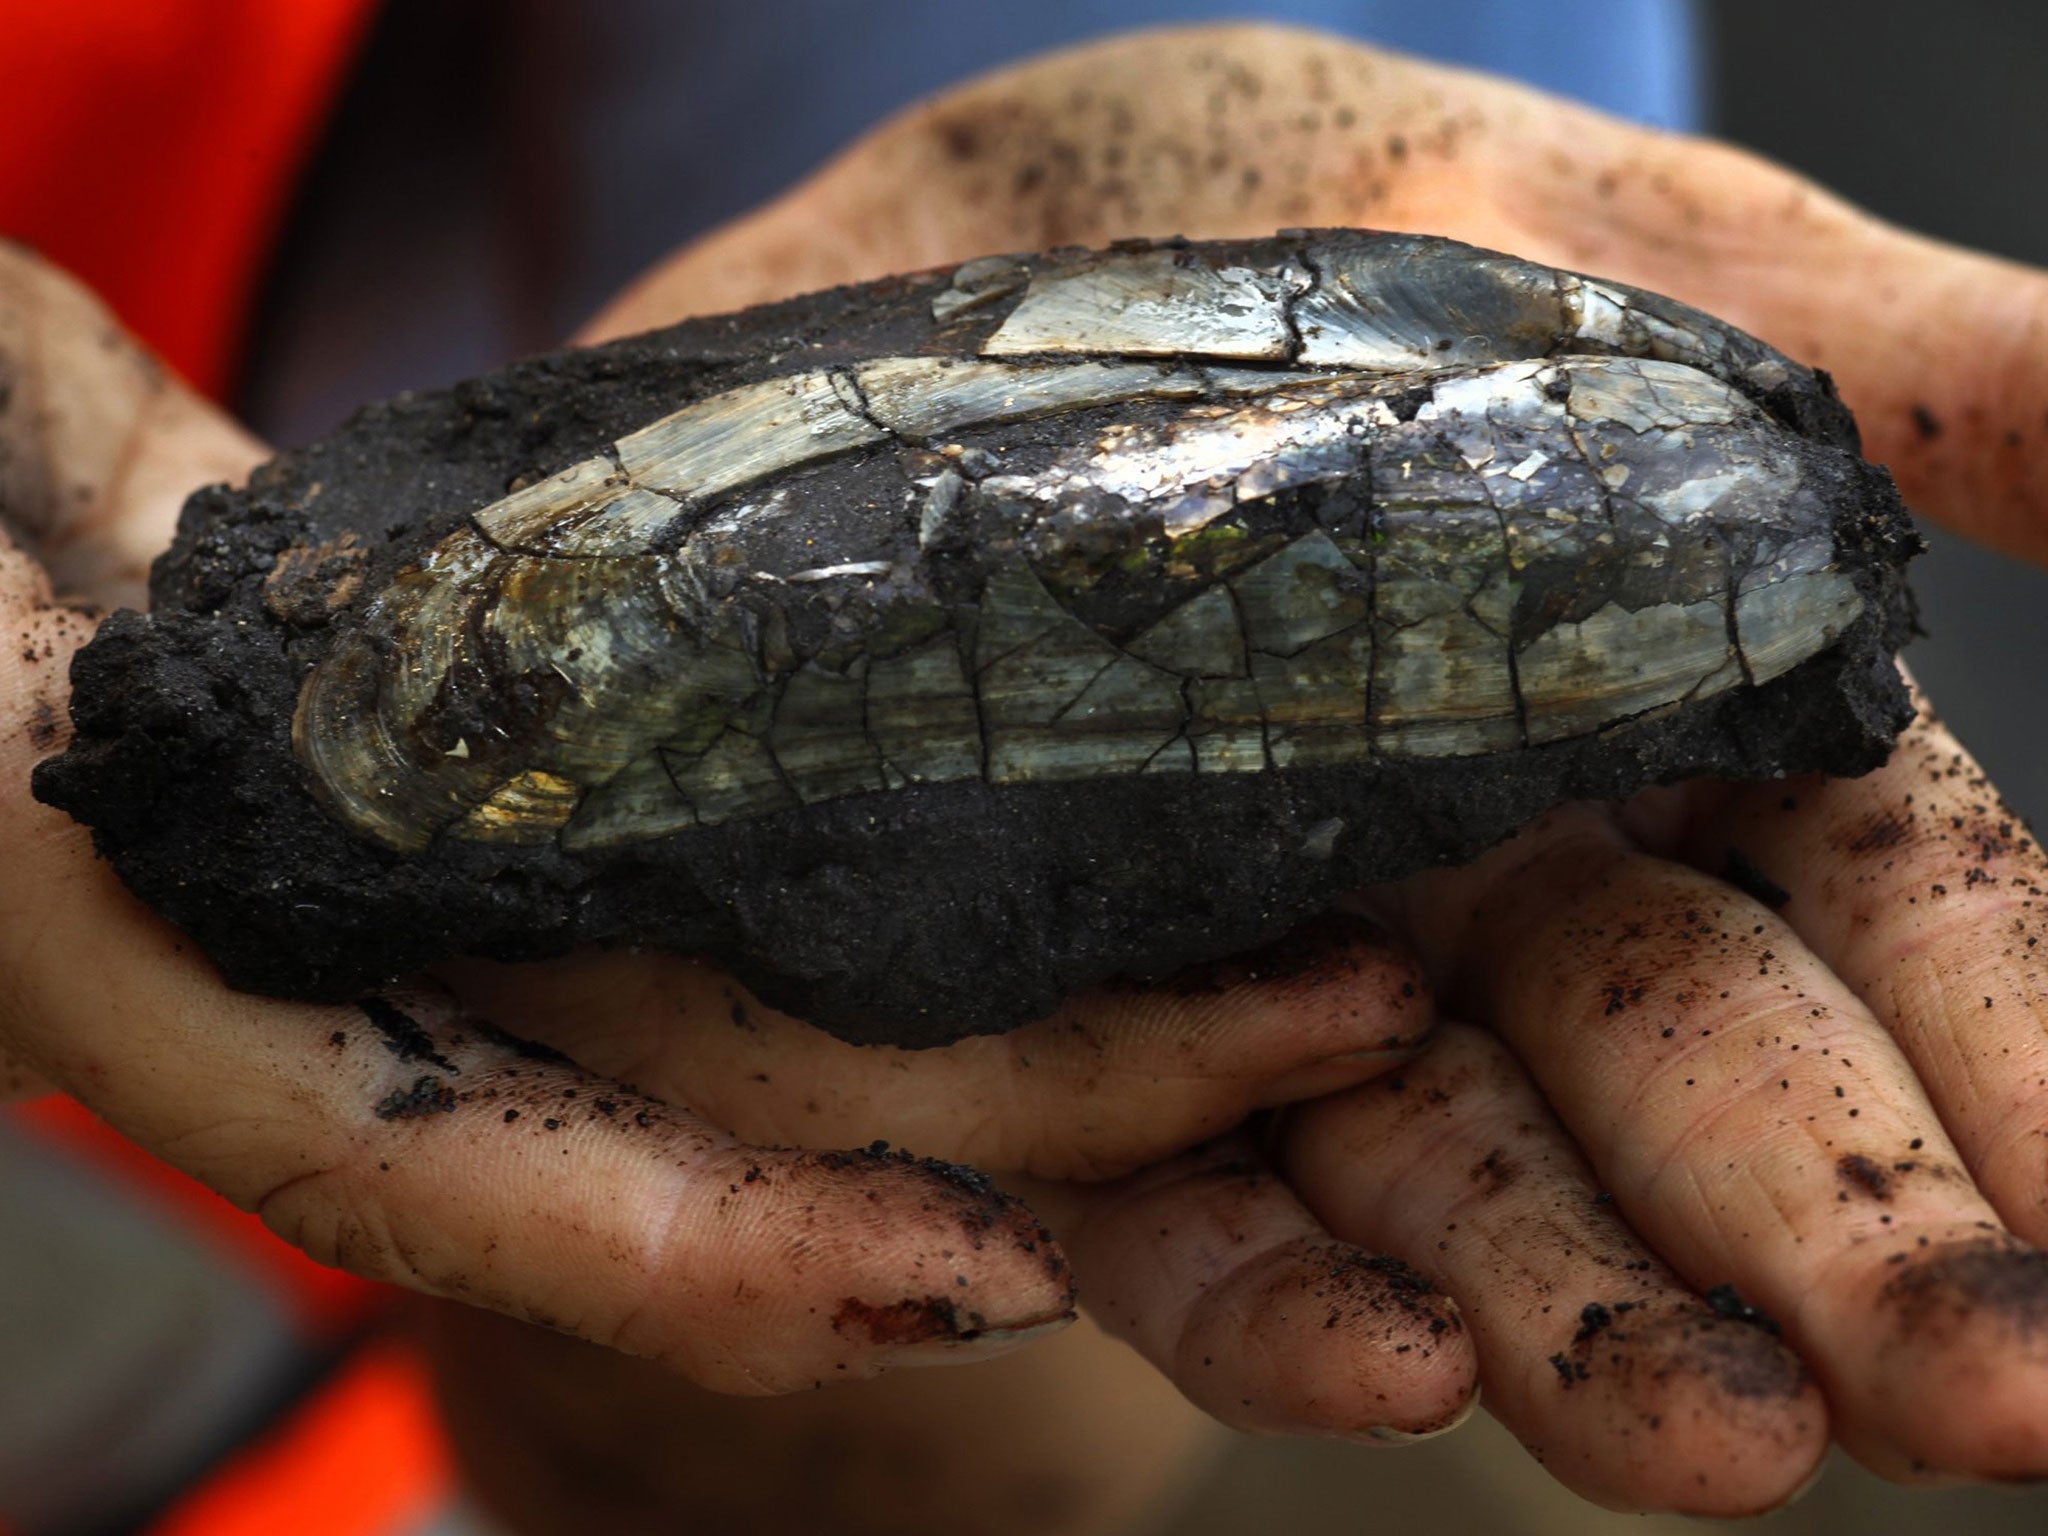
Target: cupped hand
point(1755, 1142)
point(1790, 1039)
point(409, 1141)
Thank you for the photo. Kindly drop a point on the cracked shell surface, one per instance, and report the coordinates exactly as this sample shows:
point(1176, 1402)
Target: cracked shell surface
point(930, 649)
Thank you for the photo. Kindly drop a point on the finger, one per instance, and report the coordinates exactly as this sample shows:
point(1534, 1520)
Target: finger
point(411, 1147)
point(35, 722)
point(99, 443)
point(1925, 894)
point(1114, 1080)
point(1211, 1269)
point(1760, 1129)
point(1618, 1378)
point(416, 1151)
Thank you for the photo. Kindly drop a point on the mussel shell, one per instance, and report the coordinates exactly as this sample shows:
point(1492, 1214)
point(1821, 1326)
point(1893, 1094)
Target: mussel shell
point(930, 649)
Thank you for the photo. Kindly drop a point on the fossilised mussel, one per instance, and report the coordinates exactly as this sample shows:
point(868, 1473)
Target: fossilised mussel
point(929, 649)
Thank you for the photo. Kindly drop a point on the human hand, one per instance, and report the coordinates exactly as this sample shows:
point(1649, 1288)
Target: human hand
point(408, 1142)
point(342, 1142)
point(1658, 1006)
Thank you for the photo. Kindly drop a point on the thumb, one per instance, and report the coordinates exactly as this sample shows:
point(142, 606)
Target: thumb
point(1941, 352)
point(1118, 1078)
point(99, 442)
point(412, 1145)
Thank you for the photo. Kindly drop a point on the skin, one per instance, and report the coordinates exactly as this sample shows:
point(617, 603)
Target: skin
point(1631, 1125)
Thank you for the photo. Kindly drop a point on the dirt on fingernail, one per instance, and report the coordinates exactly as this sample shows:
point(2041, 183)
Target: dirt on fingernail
point(914, 1320)
point(1359, 1288)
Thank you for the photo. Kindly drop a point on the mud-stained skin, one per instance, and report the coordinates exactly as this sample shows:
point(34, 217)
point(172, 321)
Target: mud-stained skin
point(425, 1096)
point(1662, 1341)
point(1328, 954)
point(1380, 1307)
point(912, 1321)
point(431, 1077)
point(91, 424)
point(1611, 1369)
point(1358, 1285)
point(1936, 1291)
point(1208, 1267)
point(1940, 829)
point(1923, 886)
point(927, 651)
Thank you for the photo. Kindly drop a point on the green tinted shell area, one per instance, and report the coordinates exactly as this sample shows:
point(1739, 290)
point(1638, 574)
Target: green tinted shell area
point(1317, 570)
point(915, 744)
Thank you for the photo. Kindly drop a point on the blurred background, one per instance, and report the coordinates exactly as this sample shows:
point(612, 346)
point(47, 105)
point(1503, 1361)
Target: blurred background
point(1931, 125)
point(473, 177)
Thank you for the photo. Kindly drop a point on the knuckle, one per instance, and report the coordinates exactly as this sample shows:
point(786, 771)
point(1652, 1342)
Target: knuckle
point(320, 1211)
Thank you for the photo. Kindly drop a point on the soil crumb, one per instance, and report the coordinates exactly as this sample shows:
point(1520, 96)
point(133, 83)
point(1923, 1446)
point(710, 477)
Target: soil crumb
point(1753, 882)
point(1728, 1303)
point(426, 1096)
point(403, 1036)
point(1859, 1172)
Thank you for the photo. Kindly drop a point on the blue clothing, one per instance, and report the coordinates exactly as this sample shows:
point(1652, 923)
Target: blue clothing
point(726, 105)
point(461, 219)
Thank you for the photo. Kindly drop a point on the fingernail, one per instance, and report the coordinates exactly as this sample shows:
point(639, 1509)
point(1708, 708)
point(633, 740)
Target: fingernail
point(1386, 1434)
point(968, 1348)
point(1333, 1073)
